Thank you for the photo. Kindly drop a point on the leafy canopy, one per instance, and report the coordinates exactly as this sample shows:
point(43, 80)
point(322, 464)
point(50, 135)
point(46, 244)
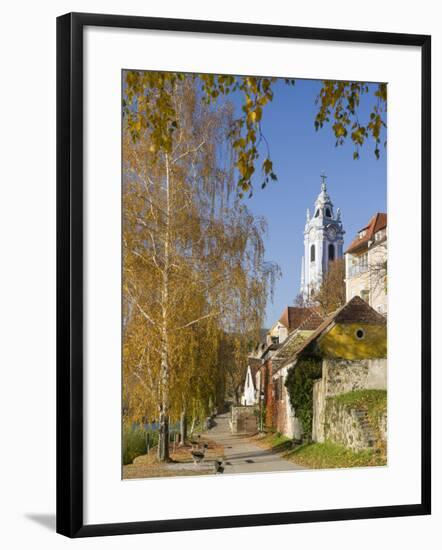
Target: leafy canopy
point(148, 105)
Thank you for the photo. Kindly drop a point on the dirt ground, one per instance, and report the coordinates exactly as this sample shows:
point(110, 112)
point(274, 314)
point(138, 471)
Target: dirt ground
point(148, 466)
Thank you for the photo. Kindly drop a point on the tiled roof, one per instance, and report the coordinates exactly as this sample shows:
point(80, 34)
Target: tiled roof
point(376, 223)
point(354, 311)
point(292, 316)
point(358, 311)
point(296, 339)
point(312, 322)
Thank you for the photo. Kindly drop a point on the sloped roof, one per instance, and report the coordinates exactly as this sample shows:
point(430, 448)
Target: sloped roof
point(293, 316)
point(295, 340)
point(376, 223)
point(354, 311)
point(312, 322)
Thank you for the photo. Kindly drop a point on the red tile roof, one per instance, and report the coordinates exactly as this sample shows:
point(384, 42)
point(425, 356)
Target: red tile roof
point(292, 317)
point(376, 223)
point(312, 322)
point(296, 340)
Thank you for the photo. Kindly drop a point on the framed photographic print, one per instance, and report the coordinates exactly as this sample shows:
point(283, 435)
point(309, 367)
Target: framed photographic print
point(243, 275)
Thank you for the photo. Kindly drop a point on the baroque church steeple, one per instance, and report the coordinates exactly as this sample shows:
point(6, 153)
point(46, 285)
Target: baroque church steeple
point(323, 241)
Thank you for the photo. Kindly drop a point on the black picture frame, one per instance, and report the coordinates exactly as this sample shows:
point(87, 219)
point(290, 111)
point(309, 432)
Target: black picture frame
point(70, 273)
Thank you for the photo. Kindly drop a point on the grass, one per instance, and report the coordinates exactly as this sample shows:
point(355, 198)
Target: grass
point(332, 455)
point(373, 401)
point(135, 442)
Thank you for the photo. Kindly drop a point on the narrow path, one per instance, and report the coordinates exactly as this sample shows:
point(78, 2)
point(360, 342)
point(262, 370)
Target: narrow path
point(243, 456)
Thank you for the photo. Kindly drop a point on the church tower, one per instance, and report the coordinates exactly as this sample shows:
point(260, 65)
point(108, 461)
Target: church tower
point(323, 242)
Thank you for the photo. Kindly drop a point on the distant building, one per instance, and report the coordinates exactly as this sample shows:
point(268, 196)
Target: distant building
point(290, 319)
point(250, 395)
point(257, 373)
point(280, 414)
point(366, 264)
point(323, 242)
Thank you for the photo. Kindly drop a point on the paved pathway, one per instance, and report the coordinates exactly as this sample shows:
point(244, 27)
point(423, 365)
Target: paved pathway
point(243, 456)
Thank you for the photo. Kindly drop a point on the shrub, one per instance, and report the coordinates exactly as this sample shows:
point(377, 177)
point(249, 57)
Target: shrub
point(299, 384)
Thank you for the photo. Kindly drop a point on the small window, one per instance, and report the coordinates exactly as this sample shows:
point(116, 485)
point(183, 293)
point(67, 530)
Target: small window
point(331, 252)
point(312, 253)
point(317, 213)
point(360, 334)
point(328, 212)
point(363, 261)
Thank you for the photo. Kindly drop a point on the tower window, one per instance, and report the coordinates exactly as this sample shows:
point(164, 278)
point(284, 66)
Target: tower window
point(317, 213)
point(312, 253)
point(331, 252)
point(328, 212)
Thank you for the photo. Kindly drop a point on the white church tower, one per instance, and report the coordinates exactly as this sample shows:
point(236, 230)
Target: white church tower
point(323, 242)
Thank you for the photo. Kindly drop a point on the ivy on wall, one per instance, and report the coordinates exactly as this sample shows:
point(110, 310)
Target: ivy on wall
point(299, 384)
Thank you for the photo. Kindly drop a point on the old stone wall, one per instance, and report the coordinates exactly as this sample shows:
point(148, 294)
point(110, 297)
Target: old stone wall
point(343, 376)
point(244, 420)
point(318, 433)
point(352, 428)
point(334, 421)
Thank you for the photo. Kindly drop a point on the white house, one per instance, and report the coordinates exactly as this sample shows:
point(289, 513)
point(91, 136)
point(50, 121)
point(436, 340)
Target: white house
point(250, 395)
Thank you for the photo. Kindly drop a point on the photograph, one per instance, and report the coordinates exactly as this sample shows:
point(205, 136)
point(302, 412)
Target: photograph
point(254, 274)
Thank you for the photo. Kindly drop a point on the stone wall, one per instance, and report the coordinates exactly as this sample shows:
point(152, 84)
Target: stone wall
point(352, 428)
point(243, 420)
point(318, 422)
point(343, 376)
point(335, 422)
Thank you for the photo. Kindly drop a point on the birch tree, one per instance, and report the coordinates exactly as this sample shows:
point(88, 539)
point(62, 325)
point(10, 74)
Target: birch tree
point(193, 259)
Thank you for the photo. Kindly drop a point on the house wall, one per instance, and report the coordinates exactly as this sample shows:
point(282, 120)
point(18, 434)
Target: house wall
point(341, 342)
point(269, 395)
point(318, 422)
point(377, 258)
point(249, 396)
point(285, 420)
point(341, 376)
point(371, 283)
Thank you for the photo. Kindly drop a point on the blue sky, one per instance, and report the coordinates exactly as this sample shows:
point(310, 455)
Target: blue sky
point(299, 154)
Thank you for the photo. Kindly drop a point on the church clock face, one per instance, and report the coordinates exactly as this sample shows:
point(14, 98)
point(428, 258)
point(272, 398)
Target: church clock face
point(331, 233)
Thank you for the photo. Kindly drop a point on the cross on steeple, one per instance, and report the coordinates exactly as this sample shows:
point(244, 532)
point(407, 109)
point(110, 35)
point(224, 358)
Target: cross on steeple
point(324, 177)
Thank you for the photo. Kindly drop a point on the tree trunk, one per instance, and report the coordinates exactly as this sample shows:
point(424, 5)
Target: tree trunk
point(183, 428)
point(192, 426)
point(163, 440)
point(163, 444)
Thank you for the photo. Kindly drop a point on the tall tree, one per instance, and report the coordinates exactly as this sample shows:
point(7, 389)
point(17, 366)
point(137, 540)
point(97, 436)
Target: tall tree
point(193, 265)
point(331, 293)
